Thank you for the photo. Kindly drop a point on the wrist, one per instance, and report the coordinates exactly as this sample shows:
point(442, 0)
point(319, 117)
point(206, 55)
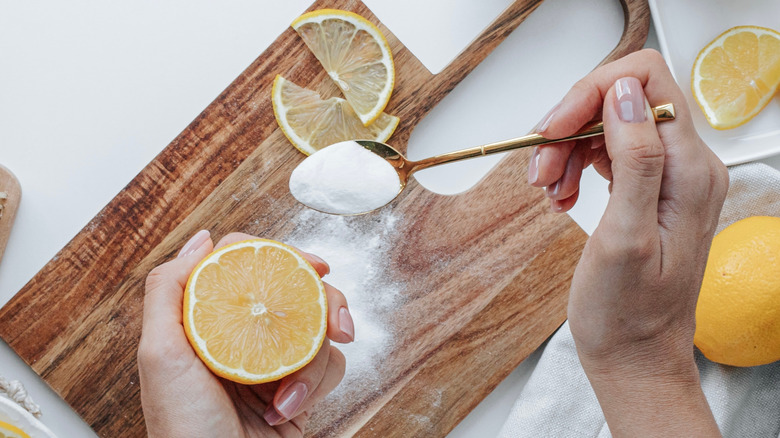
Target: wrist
point(656, 376)
point(651, 396)
point(663, 349)
point(649, 360)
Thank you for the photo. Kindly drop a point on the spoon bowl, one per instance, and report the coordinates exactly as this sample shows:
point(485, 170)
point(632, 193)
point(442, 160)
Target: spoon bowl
point(400, 163)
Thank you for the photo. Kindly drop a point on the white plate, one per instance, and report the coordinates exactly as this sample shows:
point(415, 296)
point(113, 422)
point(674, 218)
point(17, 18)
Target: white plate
point(14, 414)
point(684, 27)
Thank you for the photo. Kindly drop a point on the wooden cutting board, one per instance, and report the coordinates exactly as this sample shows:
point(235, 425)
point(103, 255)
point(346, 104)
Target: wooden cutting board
point(457, 291)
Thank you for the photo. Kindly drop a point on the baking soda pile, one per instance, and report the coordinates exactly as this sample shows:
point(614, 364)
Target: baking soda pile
point(344, 178)
point(357, 248)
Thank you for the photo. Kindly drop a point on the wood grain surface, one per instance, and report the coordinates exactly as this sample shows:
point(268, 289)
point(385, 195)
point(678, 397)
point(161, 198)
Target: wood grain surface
point(478, 280)
point(9, 204)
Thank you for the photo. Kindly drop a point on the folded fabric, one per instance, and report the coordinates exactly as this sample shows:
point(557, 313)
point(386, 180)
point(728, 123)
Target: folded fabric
point(558, 400)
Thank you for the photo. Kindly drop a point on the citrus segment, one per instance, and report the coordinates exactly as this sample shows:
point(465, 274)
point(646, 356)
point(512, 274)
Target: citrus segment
point(736, 75)
point(738, 311)
point(255, 311)
point(311, 123)
point(11, 431)
point(356, 56)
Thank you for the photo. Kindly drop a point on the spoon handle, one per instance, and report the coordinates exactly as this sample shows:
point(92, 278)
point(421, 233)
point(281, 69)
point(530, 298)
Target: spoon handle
point(661, 113)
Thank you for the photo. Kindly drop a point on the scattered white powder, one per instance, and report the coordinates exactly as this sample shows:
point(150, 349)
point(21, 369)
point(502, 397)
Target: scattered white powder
point(344, 178)
point(356, 248)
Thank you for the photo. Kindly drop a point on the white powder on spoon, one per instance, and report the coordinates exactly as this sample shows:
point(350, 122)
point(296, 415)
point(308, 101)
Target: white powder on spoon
point(344, 178)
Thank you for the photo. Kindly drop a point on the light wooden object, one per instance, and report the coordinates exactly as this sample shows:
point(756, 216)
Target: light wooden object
point(485, 274)
point(9, 185)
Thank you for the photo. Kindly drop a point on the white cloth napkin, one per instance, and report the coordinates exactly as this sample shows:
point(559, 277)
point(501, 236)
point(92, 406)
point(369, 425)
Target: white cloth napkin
point(558, 401)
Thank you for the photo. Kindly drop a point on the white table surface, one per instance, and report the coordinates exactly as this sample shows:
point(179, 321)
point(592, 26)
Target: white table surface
point(91, 91)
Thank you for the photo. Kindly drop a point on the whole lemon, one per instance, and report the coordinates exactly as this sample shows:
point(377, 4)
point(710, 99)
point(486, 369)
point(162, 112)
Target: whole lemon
point(738, 312)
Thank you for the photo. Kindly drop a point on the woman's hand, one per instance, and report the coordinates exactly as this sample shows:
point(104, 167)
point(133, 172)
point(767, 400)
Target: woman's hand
point(633, 297)
point(182, 398)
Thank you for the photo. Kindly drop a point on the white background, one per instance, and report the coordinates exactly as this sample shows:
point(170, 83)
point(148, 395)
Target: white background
point(91, 91)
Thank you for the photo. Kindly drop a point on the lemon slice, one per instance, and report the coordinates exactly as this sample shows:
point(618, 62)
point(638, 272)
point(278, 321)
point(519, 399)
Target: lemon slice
point(735, 76)
point(311, 123)
point(255, 311)
point(356, 56)
point(11, 431)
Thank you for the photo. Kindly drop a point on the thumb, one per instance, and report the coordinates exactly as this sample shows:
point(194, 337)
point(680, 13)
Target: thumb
point(637, 155)
point(165, 286)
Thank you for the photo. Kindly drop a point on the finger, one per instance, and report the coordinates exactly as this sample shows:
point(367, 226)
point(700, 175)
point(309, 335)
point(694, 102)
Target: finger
point(548, 163)
point(601, 162)
point(596, 142)
point(637, 155)
point(317, 263)
point(564, 205)
point(584, 101)
point(334, 373)
point(295, 388)
point(165, 286)
point(233, 238)
point(341, 328)
point(569, 183)
point(255, 401)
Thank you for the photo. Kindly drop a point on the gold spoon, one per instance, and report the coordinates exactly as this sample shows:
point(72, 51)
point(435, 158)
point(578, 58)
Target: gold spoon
point(405, 168)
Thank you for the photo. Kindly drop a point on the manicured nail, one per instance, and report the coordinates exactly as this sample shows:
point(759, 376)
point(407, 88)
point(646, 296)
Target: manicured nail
point(194, 243)
point(556, 206)
point(533, 167)
point(292, 399)
point(272, 417)
point(552, 190)
point(630, 100)
point(346, 324)
point(545, 123)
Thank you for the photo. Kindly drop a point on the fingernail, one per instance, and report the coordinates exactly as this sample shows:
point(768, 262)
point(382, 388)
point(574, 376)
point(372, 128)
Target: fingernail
point(630, 100)
point(272, 417)
point(292, 399)
point(552, 190)
point(194, 243)
point(346, 324)
point(556, 206)
point(545, 123)
point(533, 167)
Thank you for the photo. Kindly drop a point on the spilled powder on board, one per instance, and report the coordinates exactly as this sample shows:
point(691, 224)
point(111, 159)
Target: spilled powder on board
point(357, 248)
